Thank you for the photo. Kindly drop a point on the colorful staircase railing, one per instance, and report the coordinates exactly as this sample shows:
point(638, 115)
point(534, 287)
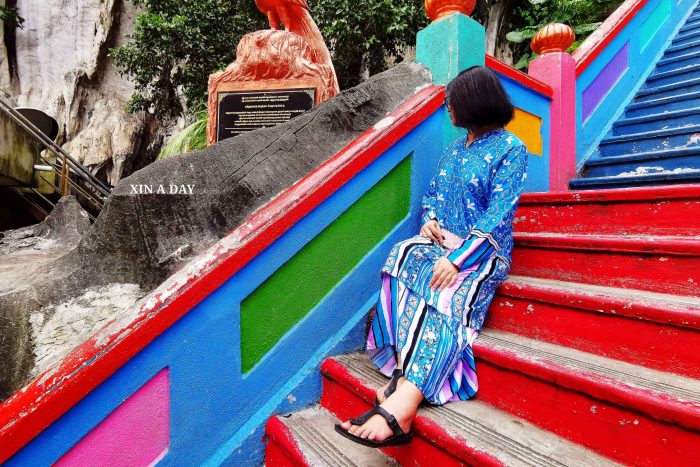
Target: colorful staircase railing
point(614, 61)
point(532, 122)
point(220, 332)
point(654, 139)
point(362, 199)
point(192, 375)
point(240, 333)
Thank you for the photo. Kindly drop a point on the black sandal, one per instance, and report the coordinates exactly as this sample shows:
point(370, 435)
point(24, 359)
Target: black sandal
point(398, 438)
point(395, 376)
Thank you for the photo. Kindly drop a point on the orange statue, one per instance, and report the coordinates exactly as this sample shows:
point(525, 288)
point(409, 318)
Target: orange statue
point(295, 16)
point(272, 59)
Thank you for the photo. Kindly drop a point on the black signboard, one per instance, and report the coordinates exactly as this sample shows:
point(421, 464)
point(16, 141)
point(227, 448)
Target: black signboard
point(241, 111)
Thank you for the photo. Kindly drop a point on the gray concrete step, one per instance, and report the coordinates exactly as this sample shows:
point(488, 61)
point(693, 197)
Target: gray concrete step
point(315, 437)
point(476, 426)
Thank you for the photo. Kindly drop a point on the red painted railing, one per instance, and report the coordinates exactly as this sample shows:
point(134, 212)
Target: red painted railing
point(606, 32)
point(519, 76)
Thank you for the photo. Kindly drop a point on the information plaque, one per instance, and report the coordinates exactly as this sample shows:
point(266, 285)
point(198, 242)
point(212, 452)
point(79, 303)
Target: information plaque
point(241, 111)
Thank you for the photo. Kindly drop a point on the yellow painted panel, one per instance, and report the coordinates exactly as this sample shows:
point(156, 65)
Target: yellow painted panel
point(527, 127)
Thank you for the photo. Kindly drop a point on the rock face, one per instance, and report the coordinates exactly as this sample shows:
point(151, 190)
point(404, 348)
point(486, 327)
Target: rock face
point(58, 63)
point(57, 329)
point(26, 256)
point(60, 232)
point(142, 238)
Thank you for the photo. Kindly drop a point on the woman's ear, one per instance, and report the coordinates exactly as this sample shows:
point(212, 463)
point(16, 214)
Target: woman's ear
point(452, 116)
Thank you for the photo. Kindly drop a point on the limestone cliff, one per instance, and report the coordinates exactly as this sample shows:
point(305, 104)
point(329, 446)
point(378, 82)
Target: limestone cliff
point(58, 63)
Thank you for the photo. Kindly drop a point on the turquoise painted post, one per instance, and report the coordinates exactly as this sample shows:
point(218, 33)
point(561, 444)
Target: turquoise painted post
point(447, 47)
point(450, 45)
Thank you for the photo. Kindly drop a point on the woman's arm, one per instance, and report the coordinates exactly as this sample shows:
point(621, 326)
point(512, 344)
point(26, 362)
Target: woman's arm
point(430, 198)
point(429, 202)
point(491, 229)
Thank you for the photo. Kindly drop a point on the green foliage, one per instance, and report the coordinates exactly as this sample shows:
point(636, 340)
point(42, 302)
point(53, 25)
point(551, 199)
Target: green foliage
point(191, 138)
point(361, 34)
point(529, 16)
point(178, 43)
point(10, 16)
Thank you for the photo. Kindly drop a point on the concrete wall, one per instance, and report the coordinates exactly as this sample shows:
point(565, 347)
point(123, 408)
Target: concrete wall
point(18, 154)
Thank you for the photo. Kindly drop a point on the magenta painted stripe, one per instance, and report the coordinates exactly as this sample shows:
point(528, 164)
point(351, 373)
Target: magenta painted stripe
point(137, 433)
point(603, 83)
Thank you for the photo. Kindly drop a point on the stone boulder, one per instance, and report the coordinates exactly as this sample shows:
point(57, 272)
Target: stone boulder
point(27, 256)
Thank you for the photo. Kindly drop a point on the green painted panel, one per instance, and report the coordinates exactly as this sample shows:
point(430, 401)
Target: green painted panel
point(300, 284)
point(652, 24)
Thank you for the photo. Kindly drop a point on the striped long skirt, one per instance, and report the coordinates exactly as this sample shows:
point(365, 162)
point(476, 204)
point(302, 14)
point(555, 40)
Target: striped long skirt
point(426, 330)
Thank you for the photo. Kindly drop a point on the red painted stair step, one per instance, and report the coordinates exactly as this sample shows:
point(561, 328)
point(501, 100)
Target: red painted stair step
point(282, 450)
point(626, 412)
point(655, 263)
point(644, 328)
point(459, 433)
point(659, 210)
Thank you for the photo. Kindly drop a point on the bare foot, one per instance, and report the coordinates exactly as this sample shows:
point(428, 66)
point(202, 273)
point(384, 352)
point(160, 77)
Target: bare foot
point(380, 392)
point(402, 404)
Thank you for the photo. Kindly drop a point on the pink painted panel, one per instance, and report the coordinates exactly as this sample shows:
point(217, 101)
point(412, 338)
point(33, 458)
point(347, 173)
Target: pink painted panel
point(558, 70)
point(137, 433)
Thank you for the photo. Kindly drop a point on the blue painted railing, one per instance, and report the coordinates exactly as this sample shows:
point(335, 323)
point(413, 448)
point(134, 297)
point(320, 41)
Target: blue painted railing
point(614, 62)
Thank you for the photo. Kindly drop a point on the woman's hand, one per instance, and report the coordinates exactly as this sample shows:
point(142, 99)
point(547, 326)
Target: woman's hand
point(431, 230)
point(444, 274)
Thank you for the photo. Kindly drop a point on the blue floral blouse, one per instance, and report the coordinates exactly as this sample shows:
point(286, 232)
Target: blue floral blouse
point(475, 194)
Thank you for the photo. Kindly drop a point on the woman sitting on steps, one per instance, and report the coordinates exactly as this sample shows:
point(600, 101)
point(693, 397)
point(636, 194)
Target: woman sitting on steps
point(436, 287)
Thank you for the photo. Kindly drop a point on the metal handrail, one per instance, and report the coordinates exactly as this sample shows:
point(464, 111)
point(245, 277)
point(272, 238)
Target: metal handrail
point(36, 206)
point(67, 161)
point(97, 201)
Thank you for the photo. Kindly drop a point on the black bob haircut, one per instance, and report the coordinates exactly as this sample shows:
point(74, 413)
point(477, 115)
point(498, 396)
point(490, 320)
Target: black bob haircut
point(477, 98)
